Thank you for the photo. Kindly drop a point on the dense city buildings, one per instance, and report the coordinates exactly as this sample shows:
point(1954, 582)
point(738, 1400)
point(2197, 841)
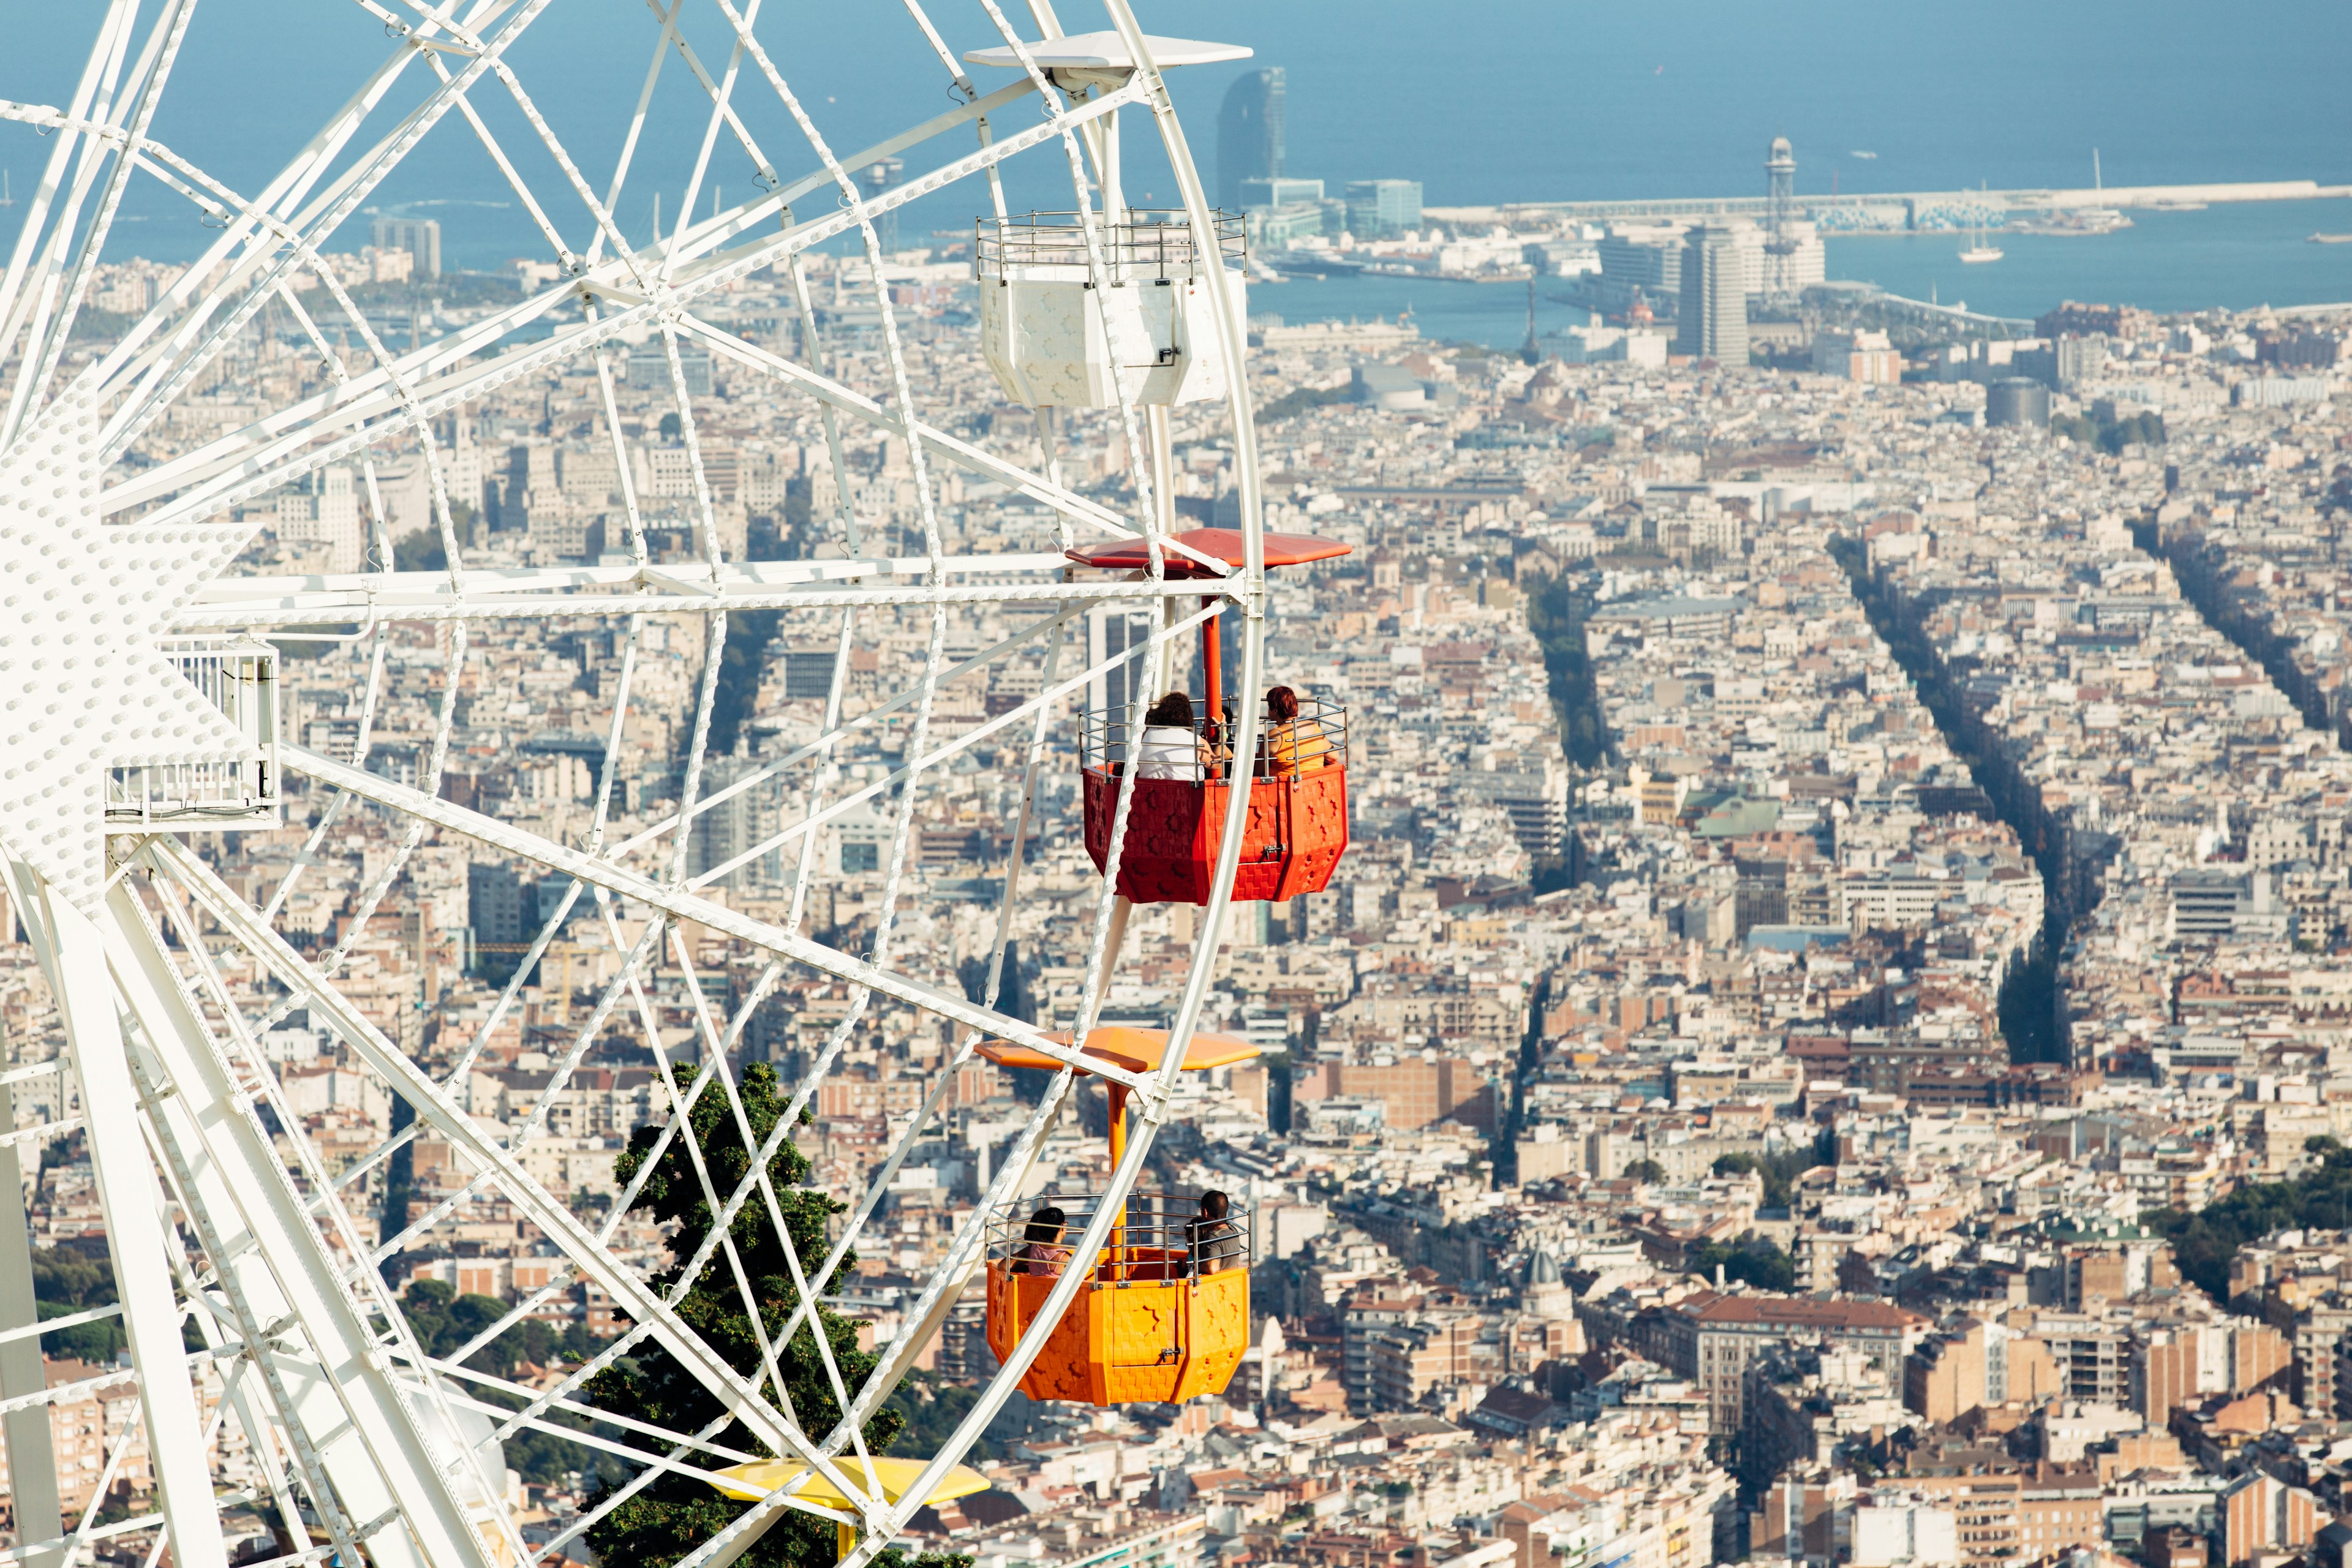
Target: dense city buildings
point(1840, 847)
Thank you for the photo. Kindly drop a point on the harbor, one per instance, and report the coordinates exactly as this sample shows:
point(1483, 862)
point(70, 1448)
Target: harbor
point(1899, 211)
point(2238, 258)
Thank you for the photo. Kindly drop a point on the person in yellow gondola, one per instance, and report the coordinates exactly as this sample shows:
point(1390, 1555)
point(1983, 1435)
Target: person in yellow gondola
point(1039, 1252)
point(1293, 746)
point(1172, 746)
point(1215, 1245)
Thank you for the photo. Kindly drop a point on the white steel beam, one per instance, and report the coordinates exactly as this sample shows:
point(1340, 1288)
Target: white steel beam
point(32, 1463)
point(376, 1457)
point(136, 1234)
point(445, 605)
point(286, 447)
point(457, 1128)
point(601, 873)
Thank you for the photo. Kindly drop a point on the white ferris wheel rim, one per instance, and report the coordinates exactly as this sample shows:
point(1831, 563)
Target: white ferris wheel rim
point(107, 945)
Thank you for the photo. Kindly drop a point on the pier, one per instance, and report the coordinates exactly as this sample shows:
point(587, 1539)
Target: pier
point(1864, 212)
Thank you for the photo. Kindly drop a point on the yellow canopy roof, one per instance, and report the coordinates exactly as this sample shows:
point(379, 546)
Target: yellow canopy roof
point(1138, 1050)
point(750, 1483)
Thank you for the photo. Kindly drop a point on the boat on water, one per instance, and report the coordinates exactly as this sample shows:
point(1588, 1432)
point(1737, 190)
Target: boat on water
point(1979, 249)
point(2329, 239)
point(2079, 221)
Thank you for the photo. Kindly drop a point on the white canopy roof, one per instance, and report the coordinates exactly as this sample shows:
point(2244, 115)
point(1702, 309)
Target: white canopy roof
point(1107, 51)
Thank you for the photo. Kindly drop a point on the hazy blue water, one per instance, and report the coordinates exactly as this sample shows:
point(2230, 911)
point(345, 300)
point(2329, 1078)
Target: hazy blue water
point(1483, 100)
point(2236, 257)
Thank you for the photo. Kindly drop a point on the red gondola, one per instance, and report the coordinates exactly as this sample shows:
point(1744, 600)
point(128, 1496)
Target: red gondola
point(1297, 828)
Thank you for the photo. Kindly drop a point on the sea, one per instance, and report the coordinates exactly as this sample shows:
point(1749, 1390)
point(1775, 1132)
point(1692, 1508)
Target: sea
point(2232, 258)
point(1483, 101)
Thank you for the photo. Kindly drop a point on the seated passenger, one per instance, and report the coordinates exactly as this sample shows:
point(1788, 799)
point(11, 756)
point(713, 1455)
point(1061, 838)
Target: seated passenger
point(1038, 1253)
point(1216, 1246)
point(1292, 746)
point(1171, 747)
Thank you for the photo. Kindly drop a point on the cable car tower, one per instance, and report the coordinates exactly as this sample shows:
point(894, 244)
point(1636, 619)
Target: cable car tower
point(191, 869)
point(1780, 243)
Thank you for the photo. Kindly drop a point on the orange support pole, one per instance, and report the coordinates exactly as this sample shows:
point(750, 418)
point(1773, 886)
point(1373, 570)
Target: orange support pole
point(1118, 1092)
point(1212, 662)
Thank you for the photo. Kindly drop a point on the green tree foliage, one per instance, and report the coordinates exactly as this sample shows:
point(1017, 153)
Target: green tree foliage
point(2029, 1022)
point(66, 1282)
point(934, 1408)
point(1014, 998)
point(2203, 1243)
point(445, 1321)
point(2137, 430)
point(673, 428)
point(1550, 875)
point(420, 552)
point(1555, 616)
point(677, 1513)
point(1778, 1170)
point(1291, 403)
point(400, 1173)
point(1752, 1259)
point(1645, 1171)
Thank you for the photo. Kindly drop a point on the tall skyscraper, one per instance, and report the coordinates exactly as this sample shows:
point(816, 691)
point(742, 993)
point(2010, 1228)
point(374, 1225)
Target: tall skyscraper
point(1249, 134)
point(1713, 320)
point(420, 237)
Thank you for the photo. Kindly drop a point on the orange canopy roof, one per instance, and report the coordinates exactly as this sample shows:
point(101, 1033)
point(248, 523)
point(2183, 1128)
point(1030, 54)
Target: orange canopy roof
point(1137, 1050)
point(1224, 544)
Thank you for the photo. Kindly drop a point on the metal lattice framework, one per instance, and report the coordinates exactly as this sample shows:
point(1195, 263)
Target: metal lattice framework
point(226, 1226)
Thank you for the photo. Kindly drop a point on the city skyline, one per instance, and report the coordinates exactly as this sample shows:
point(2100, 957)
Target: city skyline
point(859, 857)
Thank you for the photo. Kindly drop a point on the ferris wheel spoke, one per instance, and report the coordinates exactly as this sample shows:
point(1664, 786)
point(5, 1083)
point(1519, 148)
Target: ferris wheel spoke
point(72, 164)
point(28, 265)
point(128, 1193)
point(667, 38)
point(687, 906)
point(293, 182)
point(965, 454)
point(722, 116)
point(373, 895)
point(293, 1286)
point(767, 1345)
point(321, 1204)
point(456, 1127)
point(326, 214)
point(535, 1121)
point(723, 108)
point(287, 445)
point(770, 1346)
point(422, 1091)
point(154, 68)
point(506, 170)
point(1043, 702)
point(271, 1263)
point(661, 1438)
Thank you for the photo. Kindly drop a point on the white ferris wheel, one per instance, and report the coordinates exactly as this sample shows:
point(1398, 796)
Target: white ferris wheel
point(143, 654)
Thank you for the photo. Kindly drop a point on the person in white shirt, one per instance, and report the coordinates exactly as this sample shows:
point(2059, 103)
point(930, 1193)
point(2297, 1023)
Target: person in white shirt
point(1171, 748)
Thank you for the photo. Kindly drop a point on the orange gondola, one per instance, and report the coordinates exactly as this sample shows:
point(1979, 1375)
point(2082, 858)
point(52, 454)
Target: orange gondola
point(1155, 1322)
